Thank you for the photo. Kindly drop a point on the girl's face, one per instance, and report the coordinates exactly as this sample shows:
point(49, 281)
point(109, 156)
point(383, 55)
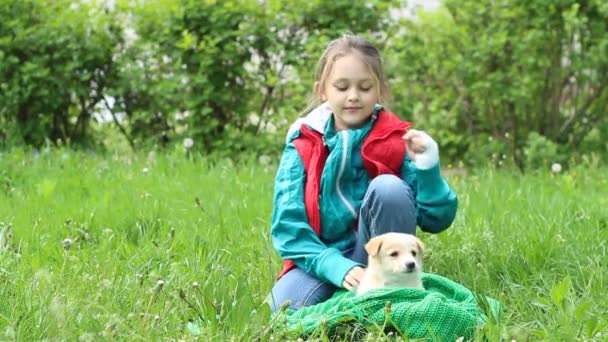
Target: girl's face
point(351, 91)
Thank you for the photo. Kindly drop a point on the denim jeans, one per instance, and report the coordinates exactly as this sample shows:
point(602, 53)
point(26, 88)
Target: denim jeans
point(388, 206)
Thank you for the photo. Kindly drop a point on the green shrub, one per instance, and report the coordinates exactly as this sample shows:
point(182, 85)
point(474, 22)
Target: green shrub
point(475, 69)
point(55, 63)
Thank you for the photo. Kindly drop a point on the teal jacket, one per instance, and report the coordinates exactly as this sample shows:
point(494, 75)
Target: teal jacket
point(323, 256)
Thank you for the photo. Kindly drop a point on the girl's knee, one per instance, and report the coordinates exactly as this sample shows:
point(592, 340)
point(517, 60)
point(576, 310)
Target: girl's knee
point(390, 187)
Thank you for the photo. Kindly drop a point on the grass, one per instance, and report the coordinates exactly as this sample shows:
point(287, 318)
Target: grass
point(178, 248)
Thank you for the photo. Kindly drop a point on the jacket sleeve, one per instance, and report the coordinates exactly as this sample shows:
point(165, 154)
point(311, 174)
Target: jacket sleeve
point(292, 235)
point(436, 202)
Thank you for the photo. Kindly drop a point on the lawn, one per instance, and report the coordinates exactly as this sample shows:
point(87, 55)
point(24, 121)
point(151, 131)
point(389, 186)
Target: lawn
point(171, 247)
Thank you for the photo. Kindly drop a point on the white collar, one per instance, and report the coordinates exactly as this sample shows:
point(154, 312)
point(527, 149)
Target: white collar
point(316, 119)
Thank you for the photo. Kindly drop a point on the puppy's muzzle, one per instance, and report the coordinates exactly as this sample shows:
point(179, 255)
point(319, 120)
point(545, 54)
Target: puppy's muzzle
point(410, 267)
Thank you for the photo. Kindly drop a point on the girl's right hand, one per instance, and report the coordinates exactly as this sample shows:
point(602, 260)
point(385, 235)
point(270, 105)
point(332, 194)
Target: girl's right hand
point(353, 278)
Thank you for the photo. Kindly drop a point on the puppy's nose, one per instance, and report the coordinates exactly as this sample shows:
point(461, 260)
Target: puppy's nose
point(410, 265)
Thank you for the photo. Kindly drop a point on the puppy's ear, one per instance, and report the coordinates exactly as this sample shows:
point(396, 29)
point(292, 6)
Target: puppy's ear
point(373, 246)
point(420, 246)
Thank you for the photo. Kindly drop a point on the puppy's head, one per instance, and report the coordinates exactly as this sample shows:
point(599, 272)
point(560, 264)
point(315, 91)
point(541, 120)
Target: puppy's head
point(395, 254)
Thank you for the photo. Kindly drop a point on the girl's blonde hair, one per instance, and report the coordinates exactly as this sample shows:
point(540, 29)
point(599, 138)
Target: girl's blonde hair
point(341, 47)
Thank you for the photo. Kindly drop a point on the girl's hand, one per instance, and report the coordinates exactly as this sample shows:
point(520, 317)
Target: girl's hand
point(353, 278)
point(421, 149)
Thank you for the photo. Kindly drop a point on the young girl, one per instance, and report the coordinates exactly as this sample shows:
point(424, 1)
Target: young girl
point(350, 170)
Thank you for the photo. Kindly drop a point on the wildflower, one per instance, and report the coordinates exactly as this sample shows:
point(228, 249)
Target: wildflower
point(159, 286)
point(67, 243)
point(188, 143)
point(556, 168)
point(145, 170)
point(195, 284)
point(264, 159)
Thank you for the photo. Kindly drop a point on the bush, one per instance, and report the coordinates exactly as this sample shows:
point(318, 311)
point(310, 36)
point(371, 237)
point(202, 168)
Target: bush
point(55, 61)
point(232, 75)
point(505, 70)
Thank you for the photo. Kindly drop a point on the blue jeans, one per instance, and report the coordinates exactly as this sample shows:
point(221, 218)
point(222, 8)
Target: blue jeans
point(388, 206)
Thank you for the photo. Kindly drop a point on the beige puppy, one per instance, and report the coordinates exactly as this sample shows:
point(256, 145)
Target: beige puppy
point(395, 260)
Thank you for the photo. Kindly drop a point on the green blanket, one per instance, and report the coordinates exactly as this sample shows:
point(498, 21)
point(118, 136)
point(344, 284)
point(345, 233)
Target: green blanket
point(444, 310)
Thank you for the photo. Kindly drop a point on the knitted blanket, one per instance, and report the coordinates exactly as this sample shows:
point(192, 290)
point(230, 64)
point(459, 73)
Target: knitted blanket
point(444, 310)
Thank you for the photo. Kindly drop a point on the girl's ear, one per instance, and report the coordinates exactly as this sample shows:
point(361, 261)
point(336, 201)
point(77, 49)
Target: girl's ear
point(320, 92)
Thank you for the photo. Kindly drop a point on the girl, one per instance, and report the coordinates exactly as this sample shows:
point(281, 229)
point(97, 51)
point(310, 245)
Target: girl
point(351, 170)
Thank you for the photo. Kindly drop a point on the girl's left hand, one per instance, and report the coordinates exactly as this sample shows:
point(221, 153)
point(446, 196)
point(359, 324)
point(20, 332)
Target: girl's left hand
point(421, 149)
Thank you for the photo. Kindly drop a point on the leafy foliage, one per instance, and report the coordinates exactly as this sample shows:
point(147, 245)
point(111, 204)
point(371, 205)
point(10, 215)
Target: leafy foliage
point(487, 79)
point(55, 62)
point(475, 69)
point(225, 72)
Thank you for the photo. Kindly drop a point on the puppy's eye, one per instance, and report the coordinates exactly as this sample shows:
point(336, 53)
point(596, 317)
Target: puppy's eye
point(394, 254)
point(414, 253)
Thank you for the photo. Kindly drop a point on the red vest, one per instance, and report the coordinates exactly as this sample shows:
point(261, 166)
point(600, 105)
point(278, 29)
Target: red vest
point(382, 152)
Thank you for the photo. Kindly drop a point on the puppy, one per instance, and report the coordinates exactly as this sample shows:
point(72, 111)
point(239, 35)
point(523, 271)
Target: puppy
point(395, 260)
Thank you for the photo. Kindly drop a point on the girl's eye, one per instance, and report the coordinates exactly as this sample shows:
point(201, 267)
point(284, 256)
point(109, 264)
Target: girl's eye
point(394, 254)
point(341, 88)
point(366, 89)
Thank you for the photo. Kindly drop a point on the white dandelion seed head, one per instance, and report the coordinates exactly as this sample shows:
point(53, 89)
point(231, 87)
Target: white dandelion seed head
point(264, 159)
point(67, 243)
point(188, 143)
point(145, 170)
point(556, 167)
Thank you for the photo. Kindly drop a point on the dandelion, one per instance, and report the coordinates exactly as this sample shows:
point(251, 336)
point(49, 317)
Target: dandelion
point(188, 143)
point(195, 284)
point(152, 156)
point(159, 286)
point(145, 170)
point(106, 283)
point(264, 159)
point(556, 168)
point(67, 243)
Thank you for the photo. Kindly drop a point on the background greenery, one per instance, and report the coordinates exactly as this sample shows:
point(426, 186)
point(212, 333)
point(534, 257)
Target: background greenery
point(509, 82)
point(111, 228)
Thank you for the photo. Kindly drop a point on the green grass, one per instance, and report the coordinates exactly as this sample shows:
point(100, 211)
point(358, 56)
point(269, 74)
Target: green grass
point(537, 243)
